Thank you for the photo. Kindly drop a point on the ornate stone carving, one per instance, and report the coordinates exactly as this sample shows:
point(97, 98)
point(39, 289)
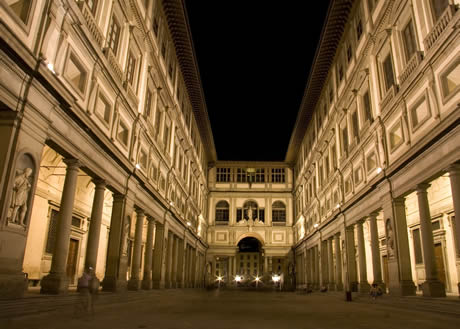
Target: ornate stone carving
point(20, 196)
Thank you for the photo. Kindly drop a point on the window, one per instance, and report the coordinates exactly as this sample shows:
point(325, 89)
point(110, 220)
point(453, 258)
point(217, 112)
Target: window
point(156, 25)
point(419, 113)
point(239, 214)
point(348, 185)
point(167, 137)
point(438, 7)
point(396, 136)
point(262, 214)
point(113, 37)
point(334, 156)
point(157, 122)
point(148, 103)
point(340, 72)
point(130, 68)
point(278, 175)
point(163, 49)
point(417, 246)
point(21, 8)
point(450, 79)
point(355, 121)
point(222, 211)
point(103, 109)
point(409, 40)
point(349, 53)
point(52, 230)
point(367, 107)
point(75, 73)
point(278, 212)
point(326, 165)
point(223, 175)
point(92, 5)
point(170, 70)
point(388, 72)
point(344, 140)
point(331, 95)
point(260, 175)
point(358, 175)
point(359, 28)
point(241, 175)
point(123, 133)
point(143, 159)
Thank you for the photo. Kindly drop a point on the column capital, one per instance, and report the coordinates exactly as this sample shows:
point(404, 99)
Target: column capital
point(72, 164)
point(139, 211)
point(360, 222)
point(150, 219)
point(373, 215)
point(454, 169)
point(118, 197)
point(399, 201)
point(99, 182)
point(422, 187)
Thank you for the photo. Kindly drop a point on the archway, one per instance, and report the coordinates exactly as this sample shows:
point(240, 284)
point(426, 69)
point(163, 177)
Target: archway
point(249, 258)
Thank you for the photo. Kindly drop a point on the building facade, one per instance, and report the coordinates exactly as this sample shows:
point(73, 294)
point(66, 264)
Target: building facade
point(108, 160)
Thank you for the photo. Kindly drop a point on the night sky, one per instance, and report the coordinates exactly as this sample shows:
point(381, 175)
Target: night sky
point(254, 59)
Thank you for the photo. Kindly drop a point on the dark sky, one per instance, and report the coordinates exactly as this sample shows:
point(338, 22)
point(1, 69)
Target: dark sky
point(254, 59)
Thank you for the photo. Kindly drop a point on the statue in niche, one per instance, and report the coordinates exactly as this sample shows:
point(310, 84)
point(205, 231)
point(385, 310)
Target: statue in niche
point(20, 196)
point(125, 236)
point(390, 238)
point(250, 213)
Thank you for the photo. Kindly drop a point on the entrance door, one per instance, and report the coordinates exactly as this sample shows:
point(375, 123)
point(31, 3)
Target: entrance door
point(440, 263)
point(71, 269)
point(386, 275)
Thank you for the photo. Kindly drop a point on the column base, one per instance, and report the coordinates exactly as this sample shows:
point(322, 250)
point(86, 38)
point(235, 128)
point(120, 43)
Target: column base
point(12, 285)
point(147, 284)
point(433, 288)
point(364, 288)
point(331, 286)
point(339, 287)
point(158, 284)
point(354, 286)
point(54, 283)
point(114, 285)
point(405, 288)
point(134, 284)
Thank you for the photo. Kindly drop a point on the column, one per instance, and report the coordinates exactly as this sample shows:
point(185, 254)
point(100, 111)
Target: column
point(174, 262)
point(432, 287)
point(454, 177)
point(324, 262)
point(230, 270)
point(158, 279)
point(193, 268)
point(364, 286)
point(316, 268)
point(235, 269)
point(307, 269)
point(265, 264)
point(338, 263)
point(399, 266)
point(180, 263)
point(94, 233)
point(169, 257)
point(147, 279)
point(135, 282)
point(375, 249)
point(57, 282)
point(352, 278)
point(330, 264)
point(117, 250)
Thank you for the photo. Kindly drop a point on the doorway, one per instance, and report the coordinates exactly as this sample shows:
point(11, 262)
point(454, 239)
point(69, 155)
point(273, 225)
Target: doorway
point(439, 260)
point(71, 268)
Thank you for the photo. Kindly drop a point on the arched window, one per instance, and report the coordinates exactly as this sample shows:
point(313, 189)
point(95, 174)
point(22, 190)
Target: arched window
point(278, 212)
point(222, 208)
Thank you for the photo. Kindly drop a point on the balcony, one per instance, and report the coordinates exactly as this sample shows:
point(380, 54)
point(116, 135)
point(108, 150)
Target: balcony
point(91, 23)
point(113, 63)
point(439, 28)
point(411, 66)
point(389, 95)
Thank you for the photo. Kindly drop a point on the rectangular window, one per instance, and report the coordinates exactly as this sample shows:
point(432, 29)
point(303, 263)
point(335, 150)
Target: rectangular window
point(148, 103)
point(260, 175)
point(359, 28)
point(262, 214)
point(334, 156)
point(239, 214)
point(340, 72)
point(223, 175)
point(21, 8)
point(123, 133)
point(438, 7)
point(371, 162)
point(278, 175)
point(130, 68)
point(396, 136)
point(156, 25)
point(163, 49)
point(450, 79)
point(157, 122)
point(92, 5)
point(419, 113)
point(354, 120)
point(367, 106)
point(143, 159)
point(347, 185)
point(167, 138)
point(103, 109)
point(358, 175)
point(113, 37)
point(388, 72)
point(417, 246)
point(349, 53)
point(344, 140)
point(241, 175)
point(75, 73)
point(52, 230)
point(409, 40)
point(326, 164)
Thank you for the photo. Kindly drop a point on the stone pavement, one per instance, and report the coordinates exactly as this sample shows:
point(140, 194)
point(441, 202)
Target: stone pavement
point(226, 309)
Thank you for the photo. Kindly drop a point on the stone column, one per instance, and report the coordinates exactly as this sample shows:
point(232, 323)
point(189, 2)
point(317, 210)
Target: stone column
point(180, 263)
point(432, 287)
point(316, 270)
point(117, 250)
point(135, 282)
point(307, 269)
point(324, 261)
point(364, 286)
point(158, 275)
point(330, 264)
point(375, 249)
point(147, 279)
point(265, 264)
point(454, 177)
point(399, 265)
point(193, 268)
point(351, 259)
point(235, 268)
point(174, 262)
point(94, 233)
point(57, 282)
point(230, 269)
point(169, 257)
point(338, 263)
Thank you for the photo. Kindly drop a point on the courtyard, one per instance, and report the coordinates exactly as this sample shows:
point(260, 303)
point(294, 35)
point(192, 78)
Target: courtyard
point(227, 309)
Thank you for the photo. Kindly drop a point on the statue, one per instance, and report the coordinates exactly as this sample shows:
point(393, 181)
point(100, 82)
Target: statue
point(125, 237)
point(20, 196)
point(390, 238)
point(250, 213)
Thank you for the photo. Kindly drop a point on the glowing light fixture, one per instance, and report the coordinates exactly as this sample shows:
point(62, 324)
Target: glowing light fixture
point(276, 278)
point(238, 278)
point(50, 67)
point(138, 166)
point(189, 224)
point(337, 206)
point(257, 279)
point(315, 225)
point(219, 278)
point(379, 170)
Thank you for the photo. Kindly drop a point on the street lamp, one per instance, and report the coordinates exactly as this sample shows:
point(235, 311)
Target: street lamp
point(219, 280)
point(257, 281)
point(238, 279)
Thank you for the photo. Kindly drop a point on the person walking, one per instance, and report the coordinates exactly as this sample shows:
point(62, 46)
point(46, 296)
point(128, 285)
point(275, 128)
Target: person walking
point(85, 306)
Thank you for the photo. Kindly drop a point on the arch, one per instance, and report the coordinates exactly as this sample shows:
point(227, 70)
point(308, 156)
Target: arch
point(278, 212)
point(222, 204)
point(222, 212)
point(251, 235)
point(279, 204)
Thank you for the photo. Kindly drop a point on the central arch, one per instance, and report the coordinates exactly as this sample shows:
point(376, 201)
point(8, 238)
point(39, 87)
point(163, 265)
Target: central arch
point(251, 235)
point(250, 257)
